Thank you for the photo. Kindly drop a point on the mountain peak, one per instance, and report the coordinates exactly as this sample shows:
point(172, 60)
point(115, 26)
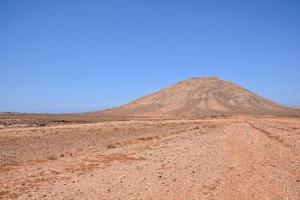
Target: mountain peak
point(192, 79)
point(204, 78)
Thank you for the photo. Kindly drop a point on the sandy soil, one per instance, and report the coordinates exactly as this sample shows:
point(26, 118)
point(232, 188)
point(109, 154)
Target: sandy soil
point(237, 158)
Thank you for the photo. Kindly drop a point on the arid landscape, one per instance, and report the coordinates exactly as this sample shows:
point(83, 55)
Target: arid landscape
point(198, 139)
point(150, 100)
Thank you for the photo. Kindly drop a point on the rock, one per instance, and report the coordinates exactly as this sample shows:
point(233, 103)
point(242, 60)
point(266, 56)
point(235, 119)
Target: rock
point(111, 146)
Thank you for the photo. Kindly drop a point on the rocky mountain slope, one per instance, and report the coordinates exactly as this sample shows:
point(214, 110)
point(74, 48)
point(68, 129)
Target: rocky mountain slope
point(202, 97)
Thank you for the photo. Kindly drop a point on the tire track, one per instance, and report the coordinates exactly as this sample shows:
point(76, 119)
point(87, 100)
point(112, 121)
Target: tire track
point(269, 135)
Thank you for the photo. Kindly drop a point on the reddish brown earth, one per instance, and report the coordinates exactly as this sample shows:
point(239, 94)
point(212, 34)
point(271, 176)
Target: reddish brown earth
point(223, 158)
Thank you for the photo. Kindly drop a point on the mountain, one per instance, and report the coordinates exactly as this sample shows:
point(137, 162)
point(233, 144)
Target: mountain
point(197, 97)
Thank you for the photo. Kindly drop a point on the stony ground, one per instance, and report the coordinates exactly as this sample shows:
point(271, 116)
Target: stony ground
point(237, 158)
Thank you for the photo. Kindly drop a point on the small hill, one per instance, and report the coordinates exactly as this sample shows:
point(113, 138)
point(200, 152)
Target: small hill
point(197, 97)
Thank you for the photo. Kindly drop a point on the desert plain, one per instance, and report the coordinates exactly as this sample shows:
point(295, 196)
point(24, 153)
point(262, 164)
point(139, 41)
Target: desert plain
point(241, 157)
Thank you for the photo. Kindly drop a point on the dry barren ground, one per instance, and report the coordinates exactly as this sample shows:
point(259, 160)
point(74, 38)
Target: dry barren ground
point(239, 158)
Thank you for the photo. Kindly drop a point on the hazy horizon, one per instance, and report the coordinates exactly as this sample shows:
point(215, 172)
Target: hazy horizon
point(71, 110)
point(63, 56)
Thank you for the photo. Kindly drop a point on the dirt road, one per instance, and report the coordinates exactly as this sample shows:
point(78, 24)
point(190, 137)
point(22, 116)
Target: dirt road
point(240, 158)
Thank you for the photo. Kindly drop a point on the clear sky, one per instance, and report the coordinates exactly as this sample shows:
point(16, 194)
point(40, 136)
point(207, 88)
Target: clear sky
point(71, 56)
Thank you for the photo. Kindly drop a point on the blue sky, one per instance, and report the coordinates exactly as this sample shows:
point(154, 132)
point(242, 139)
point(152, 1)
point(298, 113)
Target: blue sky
point(71, 56)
